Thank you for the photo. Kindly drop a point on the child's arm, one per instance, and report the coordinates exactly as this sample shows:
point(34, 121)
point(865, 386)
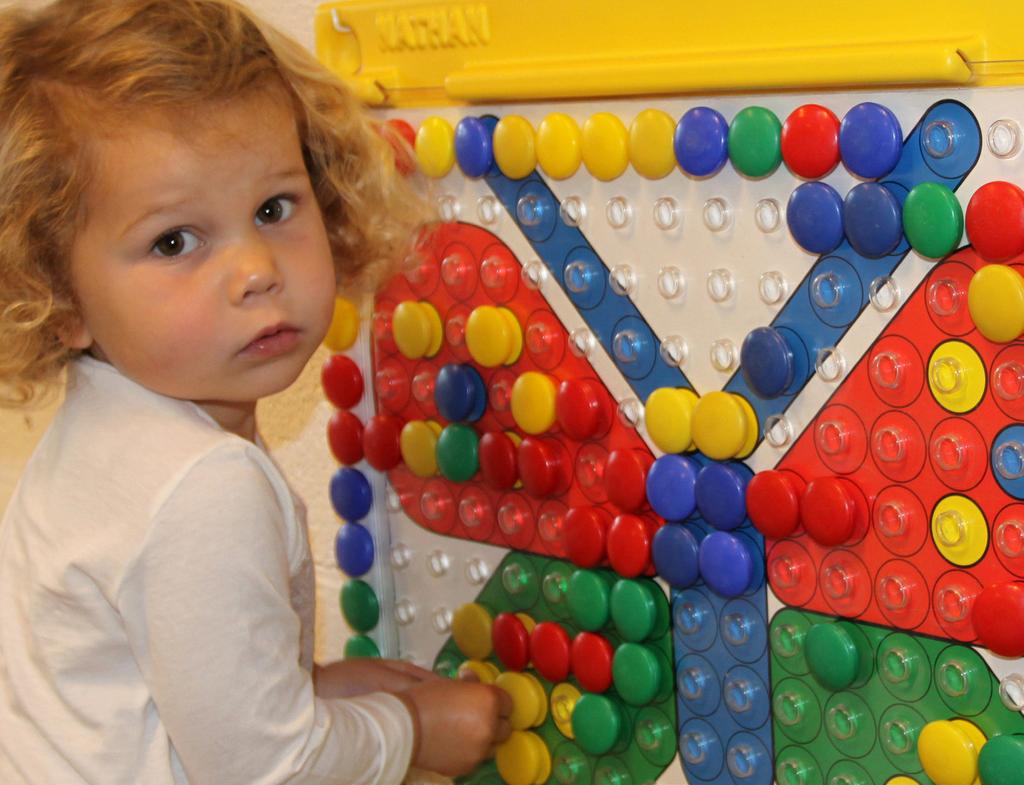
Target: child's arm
point(360, 676)
point(206, 609)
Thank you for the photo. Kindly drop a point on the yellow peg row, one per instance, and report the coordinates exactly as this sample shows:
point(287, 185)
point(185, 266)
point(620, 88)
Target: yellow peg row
point(486, 672)
point(956, 376)
point(493, 336)
point(651, 150)
point(959, 530)
point(724, 426)
point(523, 759)
point(563, 700)
point(533, 402)
point(901, 779)
point(417, 329)
point(668, 416)
point(995, 299)
point(515, 148)
point(435, 147)
point(344, 327)
point(529, 701)
point(605, 146)
point(948, 750)
point(471, 630)
point(418, 444)
point(559, 146)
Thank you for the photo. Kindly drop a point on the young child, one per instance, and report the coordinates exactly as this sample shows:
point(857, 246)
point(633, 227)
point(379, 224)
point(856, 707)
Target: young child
point(183, 191)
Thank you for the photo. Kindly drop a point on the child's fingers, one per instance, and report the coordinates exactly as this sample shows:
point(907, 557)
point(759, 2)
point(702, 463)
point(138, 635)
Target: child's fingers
point(466, 673)
point(505, 704)
point(502, 731)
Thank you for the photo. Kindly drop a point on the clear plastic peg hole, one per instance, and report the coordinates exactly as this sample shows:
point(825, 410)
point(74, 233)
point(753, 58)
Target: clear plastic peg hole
point(550, 526)
point(674, 351)
point(448, 208)
point(772, 287)
point(778, 431)
point(530, 210)
point(890, 444)
point(582, 342)
point(619, 212)
point(767, 215)
point(837, 582)
point(423, 384)
point(622, 279)
point(455, 329)
point(888, 370)
point(1011, 692)
point(950, 528)
point(438, 563)
point(741, 761)
point(884, 293)
point(1010, 538)
point(434, 504)
point(891, 519)
point(947, 375)
point(831, 437)
point(630, 412)
point(401, 556)
point(405, 612)
point(572, 211)
point(666, 213)
point(671, 283)
point(473, 511)
point(953, 604)
point(1004, 138)
point(717, 214)
point(830, 365)
point(488, 210)
point(627, 346)
point(939, 139)
point(945, 297)
point(724, 355)
point(1008, 380)
point(785, 572)
point(894, 592)
point(494, 273)
point(535, 274)
point(477, 571)
point(721, 285)
point(441, 620)
point(827, 290)
point(1009, 460)
point(950, 452)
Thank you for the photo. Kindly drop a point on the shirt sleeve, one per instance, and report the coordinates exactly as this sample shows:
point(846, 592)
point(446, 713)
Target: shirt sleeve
point(207, 612)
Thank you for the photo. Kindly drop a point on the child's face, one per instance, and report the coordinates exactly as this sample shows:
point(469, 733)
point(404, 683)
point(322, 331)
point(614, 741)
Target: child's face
point(203, 270)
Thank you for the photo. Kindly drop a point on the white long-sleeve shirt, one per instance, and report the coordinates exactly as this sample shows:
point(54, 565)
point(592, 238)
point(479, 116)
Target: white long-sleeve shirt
point(156, 598)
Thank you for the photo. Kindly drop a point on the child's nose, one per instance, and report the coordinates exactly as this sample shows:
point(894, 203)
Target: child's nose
point(256, 272)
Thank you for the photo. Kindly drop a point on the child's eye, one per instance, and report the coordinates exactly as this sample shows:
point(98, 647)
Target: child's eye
point(275, 210)
point(175, 243)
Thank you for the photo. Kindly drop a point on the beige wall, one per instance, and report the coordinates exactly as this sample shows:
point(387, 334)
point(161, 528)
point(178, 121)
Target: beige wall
point(293, 423)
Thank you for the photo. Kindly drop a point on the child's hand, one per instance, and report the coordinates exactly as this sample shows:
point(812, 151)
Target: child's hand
point(458, 723)
point(364, 675)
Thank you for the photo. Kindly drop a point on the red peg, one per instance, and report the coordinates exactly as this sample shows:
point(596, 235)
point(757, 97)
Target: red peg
point(402, 138)
point(550, 646)
point(583, 408)
point(342, 381)
point(511, 641)
point(381, 442)
point(592, 661)
point(625, 477)
point(497, 454)
point(345, 437)
point(629, 544)
point(810, 141)
point(543, 466)
point(998, 618)
point(773, 502)
point(586, 533)
point(995, 221)
point(833, 511)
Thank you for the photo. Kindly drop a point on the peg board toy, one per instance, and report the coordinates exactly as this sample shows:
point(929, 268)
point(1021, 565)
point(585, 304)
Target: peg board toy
point(699, 425)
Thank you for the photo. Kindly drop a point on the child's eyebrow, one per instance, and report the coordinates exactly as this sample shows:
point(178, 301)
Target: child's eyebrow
point(165, 207)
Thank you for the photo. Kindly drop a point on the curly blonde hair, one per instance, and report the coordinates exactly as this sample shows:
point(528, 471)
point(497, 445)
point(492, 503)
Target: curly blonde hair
point(78, 66)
